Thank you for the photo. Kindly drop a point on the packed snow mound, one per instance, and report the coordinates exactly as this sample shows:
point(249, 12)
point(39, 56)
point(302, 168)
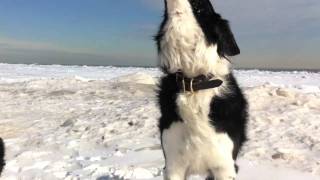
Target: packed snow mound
point(139, 78)
point(84, 127)
point(22, 72)
point(256, 171)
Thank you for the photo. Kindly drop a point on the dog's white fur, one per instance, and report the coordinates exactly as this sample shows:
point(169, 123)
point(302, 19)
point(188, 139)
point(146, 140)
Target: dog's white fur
point(193, 146)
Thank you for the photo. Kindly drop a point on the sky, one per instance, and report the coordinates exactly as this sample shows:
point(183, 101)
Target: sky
point(271, 33)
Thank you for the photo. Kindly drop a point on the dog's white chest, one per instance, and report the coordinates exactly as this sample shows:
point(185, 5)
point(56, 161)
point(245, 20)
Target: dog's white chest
point(194, 141)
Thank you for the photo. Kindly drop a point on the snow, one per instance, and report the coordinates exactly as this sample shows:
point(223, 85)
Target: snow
point(72, 122)
point(22, 72)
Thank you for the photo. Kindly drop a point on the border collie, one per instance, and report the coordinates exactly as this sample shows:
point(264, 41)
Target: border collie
point(203, 111)
point(2, 162)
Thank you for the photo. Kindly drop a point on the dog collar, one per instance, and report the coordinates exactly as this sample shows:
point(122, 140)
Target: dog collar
point(201, 82)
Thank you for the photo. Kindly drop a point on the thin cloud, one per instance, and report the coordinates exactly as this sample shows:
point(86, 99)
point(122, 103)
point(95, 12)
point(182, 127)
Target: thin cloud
point(6, 43)
point(17, 51)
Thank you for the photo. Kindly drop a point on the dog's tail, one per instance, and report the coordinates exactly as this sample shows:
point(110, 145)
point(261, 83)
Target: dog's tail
point(2, 153)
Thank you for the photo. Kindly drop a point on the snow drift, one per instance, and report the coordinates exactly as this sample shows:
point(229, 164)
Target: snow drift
point(73, 122)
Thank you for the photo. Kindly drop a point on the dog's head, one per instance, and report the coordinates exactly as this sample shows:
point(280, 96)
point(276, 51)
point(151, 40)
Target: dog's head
point(2, 153)
point(216, 29)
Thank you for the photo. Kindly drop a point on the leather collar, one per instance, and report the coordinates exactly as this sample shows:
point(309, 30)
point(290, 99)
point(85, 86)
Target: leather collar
point(197, 83)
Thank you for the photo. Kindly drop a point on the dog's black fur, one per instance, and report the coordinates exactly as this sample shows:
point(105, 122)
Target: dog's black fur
point(228, 113)
point(167, 96)
point(216, 29)
point(2, 153)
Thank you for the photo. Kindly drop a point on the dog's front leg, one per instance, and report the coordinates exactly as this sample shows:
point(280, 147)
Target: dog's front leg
point(173, 145)
point(175, 168)
point(226, 172)
point(174, 173)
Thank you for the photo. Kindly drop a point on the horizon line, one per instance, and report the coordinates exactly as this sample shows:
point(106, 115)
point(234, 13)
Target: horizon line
point(133, 66)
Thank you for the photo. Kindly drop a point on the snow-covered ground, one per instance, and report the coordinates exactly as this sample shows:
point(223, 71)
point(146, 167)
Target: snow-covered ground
point(72, 122)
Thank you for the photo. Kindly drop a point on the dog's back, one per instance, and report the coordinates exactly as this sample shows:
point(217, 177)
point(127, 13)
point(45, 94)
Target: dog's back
point(2, 150)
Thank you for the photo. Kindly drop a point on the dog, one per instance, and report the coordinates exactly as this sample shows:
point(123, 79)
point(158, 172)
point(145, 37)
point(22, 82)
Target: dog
point(203, 110)
point(2, 153)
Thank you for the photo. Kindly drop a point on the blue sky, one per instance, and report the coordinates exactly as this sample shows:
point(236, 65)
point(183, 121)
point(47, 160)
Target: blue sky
point(270, 33)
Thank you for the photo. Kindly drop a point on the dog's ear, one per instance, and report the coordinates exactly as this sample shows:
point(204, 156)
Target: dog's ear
point(227, 45)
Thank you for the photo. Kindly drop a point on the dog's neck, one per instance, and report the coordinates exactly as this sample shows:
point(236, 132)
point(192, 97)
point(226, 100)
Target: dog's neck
point(184, 47)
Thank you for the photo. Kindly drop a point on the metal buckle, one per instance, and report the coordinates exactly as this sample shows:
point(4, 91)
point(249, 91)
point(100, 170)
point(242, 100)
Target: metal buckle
point(191, 88)
point(184, 85)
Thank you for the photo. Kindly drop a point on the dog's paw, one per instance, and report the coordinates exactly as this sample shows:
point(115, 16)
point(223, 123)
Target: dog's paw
point(226, 178)
point(225, 174)
point(2, 153)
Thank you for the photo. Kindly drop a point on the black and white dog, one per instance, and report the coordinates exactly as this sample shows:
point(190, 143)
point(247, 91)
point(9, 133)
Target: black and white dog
point(203, 111)
point(2, 162)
